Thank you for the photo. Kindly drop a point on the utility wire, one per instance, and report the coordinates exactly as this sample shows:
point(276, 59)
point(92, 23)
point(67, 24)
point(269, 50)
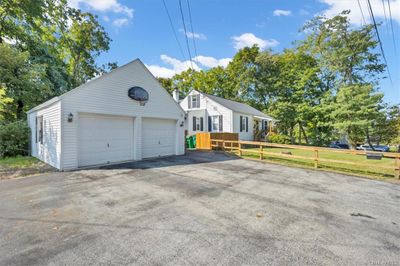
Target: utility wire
point(362, 13)
point(185, 31)
point(384, 12)
point(191, 27)
point(379, 39)
point(391, 26)
point(173, 30)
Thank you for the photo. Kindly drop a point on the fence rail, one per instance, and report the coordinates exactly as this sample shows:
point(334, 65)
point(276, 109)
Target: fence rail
point(239, 148)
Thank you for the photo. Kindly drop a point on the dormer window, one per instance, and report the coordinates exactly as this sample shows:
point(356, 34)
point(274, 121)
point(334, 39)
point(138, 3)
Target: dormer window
point(194, 101)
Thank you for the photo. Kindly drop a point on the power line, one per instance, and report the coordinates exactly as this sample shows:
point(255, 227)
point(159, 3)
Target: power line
point(379, 39)
point(391, 26)
point(362, 13)
point(191, 27)
point(185, 31)
point(173, 30)
point(384, 12)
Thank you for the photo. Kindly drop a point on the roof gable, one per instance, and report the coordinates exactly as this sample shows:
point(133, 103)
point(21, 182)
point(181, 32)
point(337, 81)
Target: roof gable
point(139, 73)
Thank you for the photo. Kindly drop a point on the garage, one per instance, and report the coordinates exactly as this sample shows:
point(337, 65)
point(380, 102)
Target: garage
point(123, 115)
point(158, 137)
point(104, 139)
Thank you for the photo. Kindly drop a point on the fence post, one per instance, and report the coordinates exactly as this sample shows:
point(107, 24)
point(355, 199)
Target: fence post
point(240, 149)
point(396, 168)
point(315, 158)
point(223, 145)
point(261, 152)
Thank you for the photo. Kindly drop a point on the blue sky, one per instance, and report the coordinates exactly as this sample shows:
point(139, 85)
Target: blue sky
point(141, 29)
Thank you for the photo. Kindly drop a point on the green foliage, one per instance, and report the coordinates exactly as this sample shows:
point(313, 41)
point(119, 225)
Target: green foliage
point(24, 83)
point(14, 139)
point(279, 138)
point(355, 111)
point(319, 91)
point(54, 49)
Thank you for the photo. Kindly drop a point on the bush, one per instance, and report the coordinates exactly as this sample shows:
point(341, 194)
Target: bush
point(14, 139)
point(278, 138)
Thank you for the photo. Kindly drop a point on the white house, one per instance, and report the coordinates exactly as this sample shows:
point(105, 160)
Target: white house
point(209, 113)
point(120, 116)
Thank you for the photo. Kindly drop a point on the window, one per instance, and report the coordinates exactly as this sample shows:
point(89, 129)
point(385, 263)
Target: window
point(194, 101)
point(215, 123)
point(39, 129)
point(198, 123)
point(244, 123)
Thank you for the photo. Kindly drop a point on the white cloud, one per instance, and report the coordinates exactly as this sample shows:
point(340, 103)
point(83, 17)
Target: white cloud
point(194, 35)
point(280, 12)
point(208, 61)
point(120, 22)
point(106, 18)
point(176, 66)
point(249, 39)
point(355, 16)
point(106, 6)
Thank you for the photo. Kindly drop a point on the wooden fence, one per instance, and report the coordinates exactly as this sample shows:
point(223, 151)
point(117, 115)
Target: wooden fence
point(203, 139)
point(239, 147)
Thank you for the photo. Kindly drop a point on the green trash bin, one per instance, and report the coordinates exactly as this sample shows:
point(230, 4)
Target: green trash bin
point(194, 141)
point(189, 141)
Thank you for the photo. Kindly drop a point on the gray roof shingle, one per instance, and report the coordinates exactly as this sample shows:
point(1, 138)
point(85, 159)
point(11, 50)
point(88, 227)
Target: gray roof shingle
point(237, 107)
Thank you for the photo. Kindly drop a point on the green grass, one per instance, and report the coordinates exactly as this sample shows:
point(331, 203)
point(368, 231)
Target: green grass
point(372, 168)
point(18, 162)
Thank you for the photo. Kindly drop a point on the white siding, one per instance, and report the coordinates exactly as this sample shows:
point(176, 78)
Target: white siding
point(207, 108)
point(50, 150)
point(109, 95)
point(236, 126)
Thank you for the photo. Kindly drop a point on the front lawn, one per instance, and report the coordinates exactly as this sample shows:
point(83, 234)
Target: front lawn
point(371, 168)
point(13, 167)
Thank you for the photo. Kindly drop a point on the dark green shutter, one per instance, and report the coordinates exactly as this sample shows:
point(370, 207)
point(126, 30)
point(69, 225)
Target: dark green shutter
point(189, 101)
point(201, 124)
point(209, 124)
point(220, 123)
point(240, 122)
point(247, 124)
point(194, 123)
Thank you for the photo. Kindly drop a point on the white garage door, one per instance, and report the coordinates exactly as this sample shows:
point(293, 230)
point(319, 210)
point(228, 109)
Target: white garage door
point(104, 139)
point(158, 137)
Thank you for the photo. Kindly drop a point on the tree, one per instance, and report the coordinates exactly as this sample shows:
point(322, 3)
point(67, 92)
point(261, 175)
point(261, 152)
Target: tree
point(355, 112)
point(346, 54)
point(24, 83)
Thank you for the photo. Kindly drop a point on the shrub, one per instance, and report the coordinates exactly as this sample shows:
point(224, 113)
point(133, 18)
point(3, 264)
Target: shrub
point(14, 139)
point(278, 138)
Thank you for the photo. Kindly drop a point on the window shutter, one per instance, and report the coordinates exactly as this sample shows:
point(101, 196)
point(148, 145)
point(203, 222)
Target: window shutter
point(240, 122)
point(194, 123)
point(201, 123)
point(189, 101)
point(209, 124)
point(220, 123)
point(36, 131)
point(198, 100)
point(247, 124)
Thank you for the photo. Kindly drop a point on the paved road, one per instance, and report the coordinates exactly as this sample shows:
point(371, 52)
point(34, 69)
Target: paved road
point(202, 208)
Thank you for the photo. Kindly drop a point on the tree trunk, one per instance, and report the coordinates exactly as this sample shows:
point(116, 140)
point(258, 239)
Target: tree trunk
point(304, 133)
point(369, 140)
point(299, 134)
point(20, 109)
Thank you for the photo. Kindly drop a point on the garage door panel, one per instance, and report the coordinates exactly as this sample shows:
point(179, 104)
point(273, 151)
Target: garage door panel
point(104, 139)
point(158, 137)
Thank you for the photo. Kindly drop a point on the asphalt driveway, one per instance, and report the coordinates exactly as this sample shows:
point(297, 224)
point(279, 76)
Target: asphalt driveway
point(202, 208)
